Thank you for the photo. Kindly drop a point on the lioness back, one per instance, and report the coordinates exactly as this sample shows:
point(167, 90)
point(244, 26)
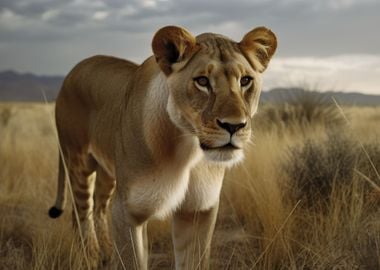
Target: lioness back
point(92, 90)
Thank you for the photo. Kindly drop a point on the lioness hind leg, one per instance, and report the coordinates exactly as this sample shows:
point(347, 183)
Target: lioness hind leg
point(82, 179)
point(104, 187)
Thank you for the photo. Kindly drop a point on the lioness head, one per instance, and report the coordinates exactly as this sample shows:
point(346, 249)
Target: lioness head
point(214, 85)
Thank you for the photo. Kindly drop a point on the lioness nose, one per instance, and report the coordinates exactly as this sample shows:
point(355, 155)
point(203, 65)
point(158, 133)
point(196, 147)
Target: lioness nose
point(231, 128)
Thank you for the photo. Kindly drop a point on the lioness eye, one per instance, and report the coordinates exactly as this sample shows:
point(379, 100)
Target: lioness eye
point(245, 81)
point(202, 81)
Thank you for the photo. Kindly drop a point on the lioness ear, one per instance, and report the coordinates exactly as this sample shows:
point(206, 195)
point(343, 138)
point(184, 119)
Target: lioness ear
point(259, 46)
point(172, 44)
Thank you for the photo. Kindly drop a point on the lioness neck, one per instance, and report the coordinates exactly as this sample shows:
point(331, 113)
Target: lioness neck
point(165, 140)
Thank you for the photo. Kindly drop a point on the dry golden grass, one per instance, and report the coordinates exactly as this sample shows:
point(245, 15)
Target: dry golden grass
point(271, 215)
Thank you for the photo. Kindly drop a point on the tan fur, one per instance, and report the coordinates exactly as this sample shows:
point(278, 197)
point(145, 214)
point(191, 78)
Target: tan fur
point(150, 130)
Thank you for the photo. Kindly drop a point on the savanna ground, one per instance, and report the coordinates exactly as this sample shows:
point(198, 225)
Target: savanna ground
point(306, 197)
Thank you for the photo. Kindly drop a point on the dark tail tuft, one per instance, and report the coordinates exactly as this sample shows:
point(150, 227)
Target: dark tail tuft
point(55, 212)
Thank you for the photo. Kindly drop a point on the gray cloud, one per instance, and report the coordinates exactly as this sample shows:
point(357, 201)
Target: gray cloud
point(319, 27)
point(65, 31)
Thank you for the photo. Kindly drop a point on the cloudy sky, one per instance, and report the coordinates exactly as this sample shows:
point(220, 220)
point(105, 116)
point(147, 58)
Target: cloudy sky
point(324, 44)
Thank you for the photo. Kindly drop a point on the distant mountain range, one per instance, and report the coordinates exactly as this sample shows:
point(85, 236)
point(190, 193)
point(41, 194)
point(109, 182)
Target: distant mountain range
point(294, 95)
point(16, 86)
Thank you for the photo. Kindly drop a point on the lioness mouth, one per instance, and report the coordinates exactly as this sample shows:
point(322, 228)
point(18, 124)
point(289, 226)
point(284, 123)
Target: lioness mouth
point(228, 146)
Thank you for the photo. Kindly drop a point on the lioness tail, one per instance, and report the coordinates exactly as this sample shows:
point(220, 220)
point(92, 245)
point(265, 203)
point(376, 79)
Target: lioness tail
point(57, 209)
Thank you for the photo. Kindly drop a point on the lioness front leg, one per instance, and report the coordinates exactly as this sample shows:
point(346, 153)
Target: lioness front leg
point(192, 233)
point(130, 238)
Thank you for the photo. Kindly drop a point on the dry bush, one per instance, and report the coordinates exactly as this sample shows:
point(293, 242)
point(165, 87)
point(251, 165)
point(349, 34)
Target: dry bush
point(316, 168)
point(301, 110)
point(336, 224)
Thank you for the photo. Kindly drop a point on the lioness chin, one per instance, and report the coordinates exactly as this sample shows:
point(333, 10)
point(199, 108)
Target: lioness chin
point(157, 137)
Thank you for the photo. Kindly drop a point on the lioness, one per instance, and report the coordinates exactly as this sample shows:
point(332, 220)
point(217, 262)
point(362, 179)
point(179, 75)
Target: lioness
point(162, 133)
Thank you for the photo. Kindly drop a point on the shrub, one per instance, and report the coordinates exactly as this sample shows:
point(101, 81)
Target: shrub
point(303, 109)
point(318, 167)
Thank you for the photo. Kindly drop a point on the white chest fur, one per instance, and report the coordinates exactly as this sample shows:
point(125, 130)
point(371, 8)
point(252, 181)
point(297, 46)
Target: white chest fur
point(163, 190)
point(160, 193)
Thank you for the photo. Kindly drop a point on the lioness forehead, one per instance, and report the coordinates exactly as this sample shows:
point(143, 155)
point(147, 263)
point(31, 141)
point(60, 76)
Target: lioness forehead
point(218, 46)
